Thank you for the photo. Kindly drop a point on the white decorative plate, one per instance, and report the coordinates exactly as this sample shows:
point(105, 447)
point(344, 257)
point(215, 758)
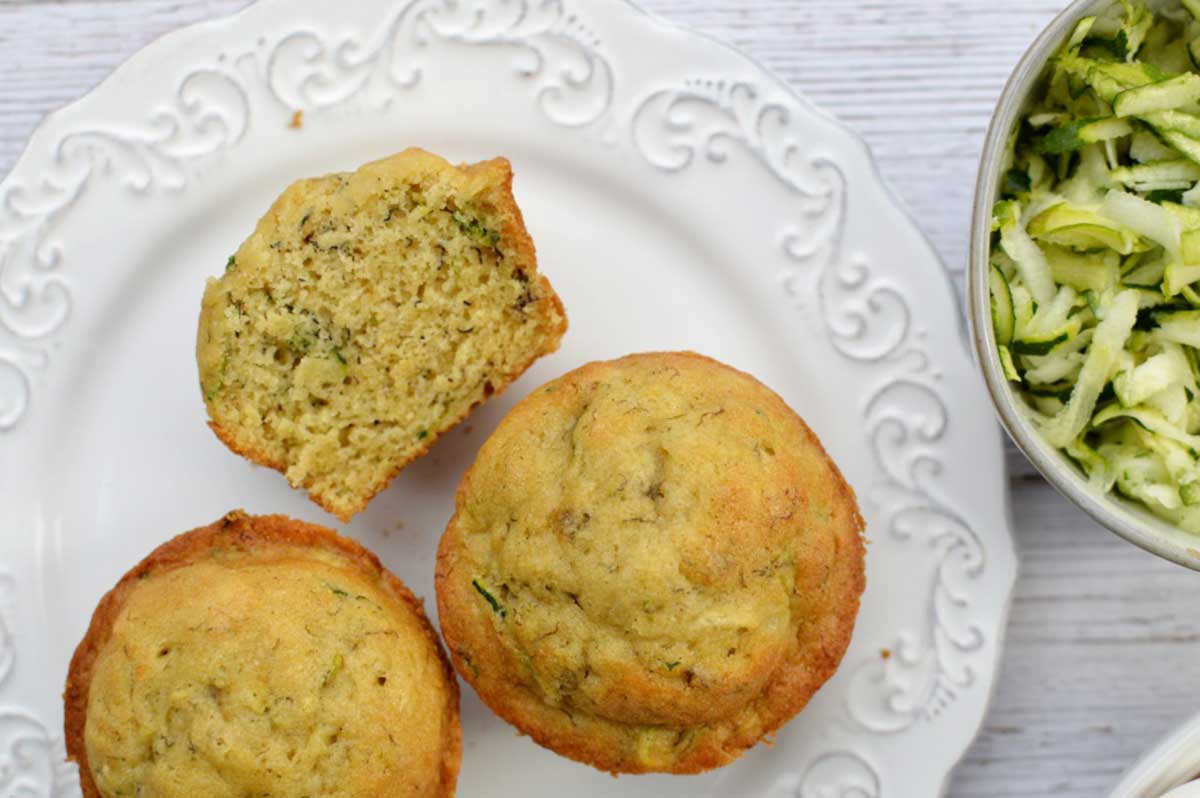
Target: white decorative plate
point(680, 197)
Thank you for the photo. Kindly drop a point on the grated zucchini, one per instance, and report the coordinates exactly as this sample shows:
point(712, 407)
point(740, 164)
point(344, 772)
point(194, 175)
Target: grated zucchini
point(1095, 271)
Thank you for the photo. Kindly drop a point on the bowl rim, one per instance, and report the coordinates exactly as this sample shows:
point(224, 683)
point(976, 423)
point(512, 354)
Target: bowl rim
point(1127, 519)
point(1172, 761)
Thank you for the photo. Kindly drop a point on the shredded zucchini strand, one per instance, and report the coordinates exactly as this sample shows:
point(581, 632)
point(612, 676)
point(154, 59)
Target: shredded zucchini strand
point(1095, 269)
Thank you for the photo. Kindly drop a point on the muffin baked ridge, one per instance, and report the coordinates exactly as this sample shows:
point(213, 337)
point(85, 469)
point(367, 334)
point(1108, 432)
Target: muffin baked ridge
point(653, 565)
point(267, 655)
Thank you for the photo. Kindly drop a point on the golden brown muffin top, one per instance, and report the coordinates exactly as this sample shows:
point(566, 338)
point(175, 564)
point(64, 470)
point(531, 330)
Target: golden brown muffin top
point(264, 657)
point(653, 564)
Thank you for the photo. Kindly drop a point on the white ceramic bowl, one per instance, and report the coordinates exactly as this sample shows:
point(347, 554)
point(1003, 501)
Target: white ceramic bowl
point(1128, 519)
point(1173, 761)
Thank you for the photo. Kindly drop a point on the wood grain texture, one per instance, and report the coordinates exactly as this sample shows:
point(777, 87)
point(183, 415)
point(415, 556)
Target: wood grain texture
point(1103, 647)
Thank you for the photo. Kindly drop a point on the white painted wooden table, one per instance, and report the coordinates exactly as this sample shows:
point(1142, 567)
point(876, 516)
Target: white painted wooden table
point(1103, 649)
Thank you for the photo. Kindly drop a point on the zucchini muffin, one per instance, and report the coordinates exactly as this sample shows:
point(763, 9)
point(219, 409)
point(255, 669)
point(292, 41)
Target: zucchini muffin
point(366, 316)
point(653, 564)
point(262, 656)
